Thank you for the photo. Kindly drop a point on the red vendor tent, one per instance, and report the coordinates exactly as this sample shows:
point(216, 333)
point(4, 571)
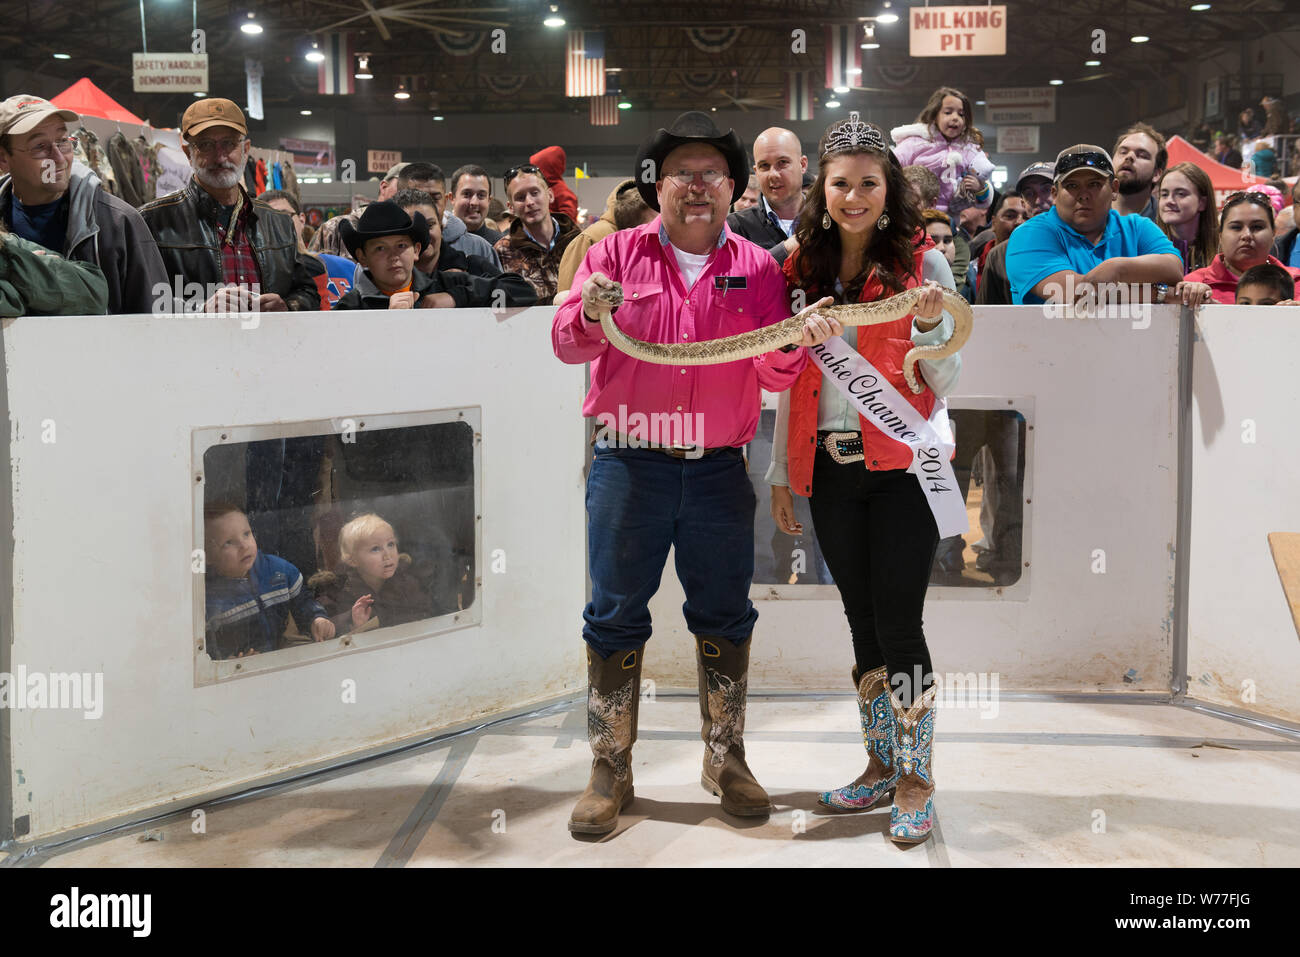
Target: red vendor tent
point(89, 100)
point(1226, 180)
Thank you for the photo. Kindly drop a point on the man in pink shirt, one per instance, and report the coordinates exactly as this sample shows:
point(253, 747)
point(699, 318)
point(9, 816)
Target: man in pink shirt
point(668, 469)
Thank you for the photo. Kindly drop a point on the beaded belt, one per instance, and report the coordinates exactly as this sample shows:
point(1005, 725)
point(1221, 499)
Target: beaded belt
point(844, 447)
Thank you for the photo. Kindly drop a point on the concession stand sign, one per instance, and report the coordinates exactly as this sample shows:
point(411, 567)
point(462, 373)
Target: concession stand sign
point(169, 72)
point(958, 31)
point(1020, 104)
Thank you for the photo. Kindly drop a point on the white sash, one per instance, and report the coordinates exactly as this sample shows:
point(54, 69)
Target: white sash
point(871, 396)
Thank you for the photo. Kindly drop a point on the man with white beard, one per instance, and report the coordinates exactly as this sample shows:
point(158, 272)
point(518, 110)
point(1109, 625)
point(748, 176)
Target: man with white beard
point(240, 251)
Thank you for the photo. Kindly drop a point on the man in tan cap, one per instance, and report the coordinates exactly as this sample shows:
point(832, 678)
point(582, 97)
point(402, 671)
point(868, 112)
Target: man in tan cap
point(48, 199)
point(241, 251)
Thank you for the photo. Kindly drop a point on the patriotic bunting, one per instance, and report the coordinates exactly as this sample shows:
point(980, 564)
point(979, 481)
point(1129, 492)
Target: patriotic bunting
point(843, 56)
point(334, 74)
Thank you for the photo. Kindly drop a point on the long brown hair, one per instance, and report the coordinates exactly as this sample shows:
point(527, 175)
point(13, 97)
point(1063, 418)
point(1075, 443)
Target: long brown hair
point(892, 250)
point(930, 113)
point(1203, 249)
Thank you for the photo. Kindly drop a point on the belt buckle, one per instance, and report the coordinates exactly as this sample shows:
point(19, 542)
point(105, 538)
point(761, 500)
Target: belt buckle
point(832, 445)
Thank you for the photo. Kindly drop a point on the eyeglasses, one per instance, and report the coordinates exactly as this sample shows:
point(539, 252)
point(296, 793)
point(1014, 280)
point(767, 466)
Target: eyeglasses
point(711, 177)
point(514, 171)
point(63, 144)
point(220, 146)
point(1073, 161)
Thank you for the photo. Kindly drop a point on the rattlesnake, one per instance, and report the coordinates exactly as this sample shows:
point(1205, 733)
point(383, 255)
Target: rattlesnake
point(745, 345)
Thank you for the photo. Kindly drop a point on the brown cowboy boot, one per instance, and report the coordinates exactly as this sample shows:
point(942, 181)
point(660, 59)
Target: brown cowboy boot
point(613, 691)
point(876, 784)
point(911, 819)
point(723, 671)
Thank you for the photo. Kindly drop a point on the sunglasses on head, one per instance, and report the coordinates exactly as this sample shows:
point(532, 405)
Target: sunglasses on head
point(1259, 199)
point(514, 171)
point(1068, 164)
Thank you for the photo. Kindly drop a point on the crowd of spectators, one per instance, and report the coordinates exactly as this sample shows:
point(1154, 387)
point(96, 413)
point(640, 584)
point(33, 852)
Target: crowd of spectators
point(256, 253)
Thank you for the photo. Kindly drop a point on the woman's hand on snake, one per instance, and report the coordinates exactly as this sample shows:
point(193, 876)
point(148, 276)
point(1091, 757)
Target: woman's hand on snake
point(817, 329)
point(929, 306)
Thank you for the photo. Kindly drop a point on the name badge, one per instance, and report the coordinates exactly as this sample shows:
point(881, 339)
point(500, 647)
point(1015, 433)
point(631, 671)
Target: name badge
point(729, 282)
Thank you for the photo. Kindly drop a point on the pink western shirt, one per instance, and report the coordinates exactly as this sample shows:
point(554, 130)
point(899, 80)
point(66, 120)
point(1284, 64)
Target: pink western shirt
point(741, 288)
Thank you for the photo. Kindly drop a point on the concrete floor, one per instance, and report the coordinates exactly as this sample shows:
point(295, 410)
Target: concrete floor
point(1042, 783)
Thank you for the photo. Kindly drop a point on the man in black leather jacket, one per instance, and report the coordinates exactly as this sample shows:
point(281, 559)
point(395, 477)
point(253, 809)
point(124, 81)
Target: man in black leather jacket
point(243, 253)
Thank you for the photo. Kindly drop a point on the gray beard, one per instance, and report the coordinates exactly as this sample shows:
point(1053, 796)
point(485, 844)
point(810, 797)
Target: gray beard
point(225, 179)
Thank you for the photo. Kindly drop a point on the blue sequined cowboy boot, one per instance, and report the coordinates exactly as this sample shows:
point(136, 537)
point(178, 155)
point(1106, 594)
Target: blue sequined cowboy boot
point(911, 819)
point(876, 783)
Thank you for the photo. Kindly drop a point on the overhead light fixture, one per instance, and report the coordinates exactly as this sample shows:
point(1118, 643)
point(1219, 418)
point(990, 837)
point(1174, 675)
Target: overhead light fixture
point(304, 112)
point(713, 109)
point(1055, 82)
point(870, 46)
point(314, 55)
point(1092, 63)
point(841, 89)
point(251, 26)
point(832, 104)
point(979, 102)
point(554, 20)
point(200, 94)
point(363, 68)
point(1198, 7)
point(887, 18)
point(1139, 39)
point(402, 92)
point(438, 117)
point(63, 56)
point(624, 105)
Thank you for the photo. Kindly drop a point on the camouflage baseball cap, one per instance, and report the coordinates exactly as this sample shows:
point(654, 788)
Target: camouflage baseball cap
point(24, 112)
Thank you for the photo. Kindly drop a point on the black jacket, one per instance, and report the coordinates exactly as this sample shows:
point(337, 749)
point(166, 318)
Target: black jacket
point(465, 289)
point(753, 224)
point(185, 225)
point(1284, 244)
point(517, 290)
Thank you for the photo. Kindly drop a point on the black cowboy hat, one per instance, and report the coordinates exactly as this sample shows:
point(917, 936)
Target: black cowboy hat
point(690, 127)
point(383, 219)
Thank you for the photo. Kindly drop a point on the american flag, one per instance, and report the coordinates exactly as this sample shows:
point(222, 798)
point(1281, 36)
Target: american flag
point(604, 111)
point(584, 64)
point(842, 55)
point(798, 96)
point(334, 74)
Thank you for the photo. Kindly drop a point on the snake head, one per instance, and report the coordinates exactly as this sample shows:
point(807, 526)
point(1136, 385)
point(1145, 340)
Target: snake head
point(612, 297)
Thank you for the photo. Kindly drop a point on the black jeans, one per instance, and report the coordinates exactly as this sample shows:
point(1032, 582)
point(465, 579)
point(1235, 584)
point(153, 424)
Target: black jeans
point(878, 537)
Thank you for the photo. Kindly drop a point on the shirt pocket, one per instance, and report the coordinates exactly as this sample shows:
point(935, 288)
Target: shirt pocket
point(731, 312)
point(643, 314)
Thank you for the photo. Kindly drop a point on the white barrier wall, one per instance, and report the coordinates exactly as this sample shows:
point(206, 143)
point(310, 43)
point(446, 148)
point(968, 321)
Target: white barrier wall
point(102, 413)
point(1102, 476)
point(1243, 650)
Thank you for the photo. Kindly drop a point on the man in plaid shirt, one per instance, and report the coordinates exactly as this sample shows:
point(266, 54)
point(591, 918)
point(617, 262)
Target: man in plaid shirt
point(240, 251)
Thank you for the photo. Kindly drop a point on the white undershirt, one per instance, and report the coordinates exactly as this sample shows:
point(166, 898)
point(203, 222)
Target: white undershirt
point(690, 264)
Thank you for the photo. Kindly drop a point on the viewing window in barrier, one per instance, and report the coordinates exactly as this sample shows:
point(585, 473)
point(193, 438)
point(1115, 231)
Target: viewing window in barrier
point(315, 539)
point(990, 468)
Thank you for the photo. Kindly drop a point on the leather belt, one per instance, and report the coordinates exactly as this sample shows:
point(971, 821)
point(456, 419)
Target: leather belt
point(620, 441)
point(843, 447)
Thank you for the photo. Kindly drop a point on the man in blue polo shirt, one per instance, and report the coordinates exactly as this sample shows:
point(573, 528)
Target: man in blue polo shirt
point(1082, 244)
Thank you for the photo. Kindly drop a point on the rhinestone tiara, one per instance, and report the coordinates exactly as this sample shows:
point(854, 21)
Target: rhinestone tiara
point(853, 133)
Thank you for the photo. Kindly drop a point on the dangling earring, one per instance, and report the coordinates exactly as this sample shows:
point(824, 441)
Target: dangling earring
point(826, 220)
point(883, 221)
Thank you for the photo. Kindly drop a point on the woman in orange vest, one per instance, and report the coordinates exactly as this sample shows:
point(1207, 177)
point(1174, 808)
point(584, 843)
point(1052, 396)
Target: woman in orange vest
point(861, 238)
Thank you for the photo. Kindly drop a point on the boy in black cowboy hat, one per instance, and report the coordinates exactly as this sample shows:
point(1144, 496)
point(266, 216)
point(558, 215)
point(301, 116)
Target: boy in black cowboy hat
point(387, 242)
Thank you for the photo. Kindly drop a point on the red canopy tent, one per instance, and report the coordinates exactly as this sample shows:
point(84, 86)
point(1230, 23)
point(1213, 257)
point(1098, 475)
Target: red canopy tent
point(89, 100)
point(1226, 180)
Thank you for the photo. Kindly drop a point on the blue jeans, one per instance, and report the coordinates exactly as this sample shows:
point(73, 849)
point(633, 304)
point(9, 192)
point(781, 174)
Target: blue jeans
point(639, 502)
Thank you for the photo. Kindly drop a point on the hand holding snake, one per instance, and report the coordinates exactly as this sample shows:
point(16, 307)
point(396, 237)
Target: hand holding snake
point(811, 326)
